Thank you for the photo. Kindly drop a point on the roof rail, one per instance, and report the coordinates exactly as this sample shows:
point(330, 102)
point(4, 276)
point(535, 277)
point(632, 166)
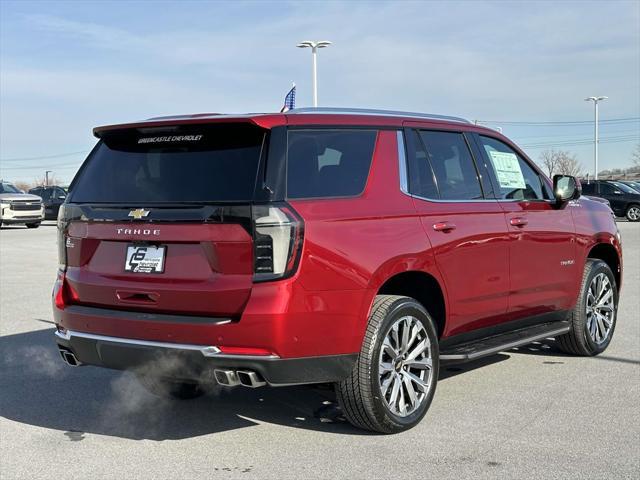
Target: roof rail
point(370, 111)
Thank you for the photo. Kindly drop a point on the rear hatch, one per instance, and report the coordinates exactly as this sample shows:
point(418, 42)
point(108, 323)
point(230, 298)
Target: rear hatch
point(160, 220)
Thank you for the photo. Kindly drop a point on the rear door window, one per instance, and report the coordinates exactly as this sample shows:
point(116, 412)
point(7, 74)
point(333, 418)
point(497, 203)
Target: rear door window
point(453, 167)
point(607, 189)
point(325, 163)
point(189, 164)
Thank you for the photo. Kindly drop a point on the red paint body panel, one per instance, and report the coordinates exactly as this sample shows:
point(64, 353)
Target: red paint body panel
point(544, 274)
point(489, 270)
point(208, 268)
point(473, 259)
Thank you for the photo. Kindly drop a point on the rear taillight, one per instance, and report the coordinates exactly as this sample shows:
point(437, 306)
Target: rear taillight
point(62, 239)
point(63, 293)
point(277, 241)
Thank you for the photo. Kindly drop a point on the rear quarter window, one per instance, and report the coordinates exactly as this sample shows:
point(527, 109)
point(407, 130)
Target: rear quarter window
point(328, 163)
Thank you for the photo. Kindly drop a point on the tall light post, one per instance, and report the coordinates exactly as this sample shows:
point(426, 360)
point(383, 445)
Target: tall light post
point(314, 46)
point(595, 101)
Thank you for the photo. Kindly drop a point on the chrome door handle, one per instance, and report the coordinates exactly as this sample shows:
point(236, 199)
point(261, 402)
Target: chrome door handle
point(444, 226)
point(518, 221)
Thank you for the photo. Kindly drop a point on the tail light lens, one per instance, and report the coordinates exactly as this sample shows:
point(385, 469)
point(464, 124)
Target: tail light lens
point(62, 239)
point(277, 241)
point(63, 293)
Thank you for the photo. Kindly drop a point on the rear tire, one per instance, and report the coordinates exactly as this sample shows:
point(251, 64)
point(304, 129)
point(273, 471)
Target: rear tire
point(170, 388)
point(33, 225)
point(633, 213)
point(592, 326)
point(391, 386)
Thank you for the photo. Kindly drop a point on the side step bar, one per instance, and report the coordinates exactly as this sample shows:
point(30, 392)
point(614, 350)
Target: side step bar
point(468, 351)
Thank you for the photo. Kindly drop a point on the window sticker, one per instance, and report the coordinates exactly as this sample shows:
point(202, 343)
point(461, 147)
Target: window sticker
point(507, 169)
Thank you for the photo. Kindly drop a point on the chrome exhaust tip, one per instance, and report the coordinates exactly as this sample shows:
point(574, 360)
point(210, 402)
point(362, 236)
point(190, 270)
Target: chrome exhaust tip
point(226, 377)
point(69, 358)
point(250, 379)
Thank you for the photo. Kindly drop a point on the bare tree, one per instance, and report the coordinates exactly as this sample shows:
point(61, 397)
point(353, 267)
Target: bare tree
point(569, 165)
point(53, 180)
point(560, 162)
point(549, 159)
point(22, 185)
point(635, 156)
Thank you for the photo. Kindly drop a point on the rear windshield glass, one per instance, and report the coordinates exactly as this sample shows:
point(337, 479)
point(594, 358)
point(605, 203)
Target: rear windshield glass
point(188, 164)
point(328, 163)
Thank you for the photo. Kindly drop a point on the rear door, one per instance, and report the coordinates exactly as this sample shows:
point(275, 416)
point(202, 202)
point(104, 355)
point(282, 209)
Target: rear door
point(615, 196)
point(466, 227)
point(543, 267)
point(160, 220)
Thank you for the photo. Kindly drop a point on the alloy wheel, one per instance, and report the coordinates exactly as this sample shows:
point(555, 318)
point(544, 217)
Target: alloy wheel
point(600, 308)
point(405, 366)
point(633, 213)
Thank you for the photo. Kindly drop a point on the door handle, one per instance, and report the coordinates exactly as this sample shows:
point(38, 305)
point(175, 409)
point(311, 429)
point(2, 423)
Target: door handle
point(518, 221)
point(444, 226)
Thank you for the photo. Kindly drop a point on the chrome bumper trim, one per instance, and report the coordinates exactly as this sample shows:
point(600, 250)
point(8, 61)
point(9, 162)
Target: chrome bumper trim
point(206, 351)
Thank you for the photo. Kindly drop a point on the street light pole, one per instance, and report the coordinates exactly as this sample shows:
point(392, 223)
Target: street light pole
point(46, 177)
point(596, 141)
point(314, 54)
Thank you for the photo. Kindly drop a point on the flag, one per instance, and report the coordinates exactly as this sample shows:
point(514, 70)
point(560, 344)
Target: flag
point(289, 100)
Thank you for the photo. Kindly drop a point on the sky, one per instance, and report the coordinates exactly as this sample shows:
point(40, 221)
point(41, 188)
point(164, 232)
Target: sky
point(526, 67)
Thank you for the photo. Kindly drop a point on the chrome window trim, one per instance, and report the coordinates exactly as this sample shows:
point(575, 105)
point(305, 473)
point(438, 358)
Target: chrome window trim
point(482, 200)
point(402, 163)
point(206, 350)
point(404, 177)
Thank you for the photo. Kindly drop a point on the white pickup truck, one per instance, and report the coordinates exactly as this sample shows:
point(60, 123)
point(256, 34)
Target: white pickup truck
point(19, 207)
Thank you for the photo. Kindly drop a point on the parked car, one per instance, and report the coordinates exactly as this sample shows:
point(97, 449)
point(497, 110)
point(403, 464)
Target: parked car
point(624, 200)
point(354, 247)
point(633, 184)
point(17, 207)
point(52, 197)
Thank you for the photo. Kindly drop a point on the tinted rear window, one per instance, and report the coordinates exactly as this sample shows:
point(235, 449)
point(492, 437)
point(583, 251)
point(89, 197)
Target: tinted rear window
point(328, 163)
point(188, 164)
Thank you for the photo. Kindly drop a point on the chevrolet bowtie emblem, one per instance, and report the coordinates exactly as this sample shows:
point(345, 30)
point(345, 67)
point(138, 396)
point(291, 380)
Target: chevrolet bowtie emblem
point(138, 213)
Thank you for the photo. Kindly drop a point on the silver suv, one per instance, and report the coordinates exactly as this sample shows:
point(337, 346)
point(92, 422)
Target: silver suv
point(19, 207)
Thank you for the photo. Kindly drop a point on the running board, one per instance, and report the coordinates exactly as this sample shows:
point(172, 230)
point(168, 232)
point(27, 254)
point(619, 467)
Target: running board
point(466, 352)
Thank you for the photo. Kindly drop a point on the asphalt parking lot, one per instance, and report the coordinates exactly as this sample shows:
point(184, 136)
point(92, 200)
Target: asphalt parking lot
point(531, 412)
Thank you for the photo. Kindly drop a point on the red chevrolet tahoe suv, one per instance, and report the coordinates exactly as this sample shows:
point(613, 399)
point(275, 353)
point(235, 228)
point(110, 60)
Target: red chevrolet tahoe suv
point(357, 247)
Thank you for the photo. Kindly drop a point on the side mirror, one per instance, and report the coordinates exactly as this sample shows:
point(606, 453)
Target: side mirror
point(617, 192)
point(565, 188)
point(62, 197)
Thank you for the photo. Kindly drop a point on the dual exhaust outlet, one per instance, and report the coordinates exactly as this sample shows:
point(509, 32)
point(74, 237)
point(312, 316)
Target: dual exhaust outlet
point(229, 378)
point(233, 378)
point(69, 357)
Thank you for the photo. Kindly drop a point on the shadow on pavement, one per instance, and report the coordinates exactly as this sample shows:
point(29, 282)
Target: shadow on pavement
point(549, 348)
point(37, 388)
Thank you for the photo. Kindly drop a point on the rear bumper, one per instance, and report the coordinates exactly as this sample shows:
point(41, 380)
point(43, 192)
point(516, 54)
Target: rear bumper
point(198, 362)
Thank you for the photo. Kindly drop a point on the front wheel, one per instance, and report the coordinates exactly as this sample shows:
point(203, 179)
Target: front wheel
point(394, 379)
point(593, 319)
point(633, 213)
